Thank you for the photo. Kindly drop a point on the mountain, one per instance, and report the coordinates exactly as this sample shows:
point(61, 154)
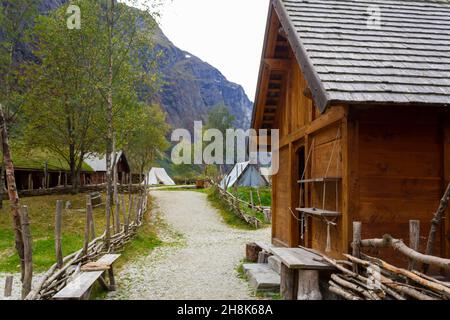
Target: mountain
point(191, 86)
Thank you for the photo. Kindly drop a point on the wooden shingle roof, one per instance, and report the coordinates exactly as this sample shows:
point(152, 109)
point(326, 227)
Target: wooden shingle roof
point(404, 60)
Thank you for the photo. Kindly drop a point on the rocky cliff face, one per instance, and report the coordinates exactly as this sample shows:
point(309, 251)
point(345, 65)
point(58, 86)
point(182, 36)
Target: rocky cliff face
point(191, 86)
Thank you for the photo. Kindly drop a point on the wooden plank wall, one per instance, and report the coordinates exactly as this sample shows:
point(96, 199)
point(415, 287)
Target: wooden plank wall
point(281, 214)
point(400, 173)
point(323, 158)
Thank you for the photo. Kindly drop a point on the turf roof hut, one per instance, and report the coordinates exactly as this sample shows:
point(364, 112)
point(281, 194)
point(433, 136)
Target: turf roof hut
point(38, 170)
point(363, 113)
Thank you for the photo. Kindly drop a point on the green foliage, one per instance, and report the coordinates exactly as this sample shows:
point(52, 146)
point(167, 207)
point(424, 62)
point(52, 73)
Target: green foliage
point(146, 137)
point(220, 118)
point(42, 211)
point(16, 18)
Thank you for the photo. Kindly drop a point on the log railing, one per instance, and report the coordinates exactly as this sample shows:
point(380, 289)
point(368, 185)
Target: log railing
point(234, 203)
point(362, 277)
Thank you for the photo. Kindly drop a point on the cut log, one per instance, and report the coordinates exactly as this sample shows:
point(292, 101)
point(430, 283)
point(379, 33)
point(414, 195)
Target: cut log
point(342, 292)
point(308, 285)
point(399, 245)
point(252, 251)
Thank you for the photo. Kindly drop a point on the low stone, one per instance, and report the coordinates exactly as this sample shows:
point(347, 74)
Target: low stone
point(262, 278)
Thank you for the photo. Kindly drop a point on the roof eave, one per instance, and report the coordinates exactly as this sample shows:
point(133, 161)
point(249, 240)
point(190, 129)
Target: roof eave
point(261, 67)
point(319, 94)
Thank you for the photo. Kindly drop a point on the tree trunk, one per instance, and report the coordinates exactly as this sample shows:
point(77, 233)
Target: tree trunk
point(12, 190)
point(72, 165)
point(2, 185)
point(109, 118)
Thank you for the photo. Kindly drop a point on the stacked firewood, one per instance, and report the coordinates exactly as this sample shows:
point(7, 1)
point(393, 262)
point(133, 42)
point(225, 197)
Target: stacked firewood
point(57, 277)
point(369, 278)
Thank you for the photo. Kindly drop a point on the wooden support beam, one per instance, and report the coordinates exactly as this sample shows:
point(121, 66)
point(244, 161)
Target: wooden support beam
point(288, 286)
point(278, 64)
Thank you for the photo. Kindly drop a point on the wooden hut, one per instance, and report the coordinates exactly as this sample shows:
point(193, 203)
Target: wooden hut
point(363, 111)
point(35, 169)
point(98, 164)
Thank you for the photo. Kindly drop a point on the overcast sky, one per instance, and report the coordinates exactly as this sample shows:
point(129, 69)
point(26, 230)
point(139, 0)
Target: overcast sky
point(228, 34)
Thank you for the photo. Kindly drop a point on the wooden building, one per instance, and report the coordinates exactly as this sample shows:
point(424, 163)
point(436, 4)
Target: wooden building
point(98, 164)
point(363, 112)
point(40, 170)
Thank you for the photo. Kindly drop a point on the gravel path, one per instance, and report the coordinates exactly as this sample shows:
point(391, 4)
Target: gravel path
point(199, 258)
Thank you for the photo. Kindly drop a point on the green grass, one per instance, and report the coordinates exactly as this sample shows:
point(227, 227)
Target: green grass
point(244, 194)
point(41, 213)
point(35, 159)
point(204, 190)
point(228, 216)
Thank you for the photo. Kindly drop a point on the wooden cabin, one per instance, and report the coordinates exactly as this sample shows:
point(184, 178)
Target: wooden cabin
point(363, 114)
point(98, 164)
point(35, 169)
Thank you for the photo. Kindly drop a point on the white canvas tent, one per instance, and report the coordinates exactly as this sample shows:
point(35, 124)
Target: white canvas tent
point(244, 174)
point(158, 176)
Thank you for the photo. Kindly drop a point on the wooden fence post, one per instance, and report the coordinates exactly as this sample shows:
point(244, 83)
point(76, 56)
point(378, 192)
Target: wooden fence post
point(8, 286)
point(87, 227)
point(28, 255)
point(124, 212)
point(130, 211)
point(414, 240)
point(356, 244)
point(58, 238)
point(251, 199)
point(259, 197)
point(90, 215)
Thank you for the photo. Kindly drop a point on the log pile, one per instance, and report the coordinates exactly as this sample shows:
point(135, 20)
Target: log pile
point(362, 277)
point(379, 280)
point(59, 275)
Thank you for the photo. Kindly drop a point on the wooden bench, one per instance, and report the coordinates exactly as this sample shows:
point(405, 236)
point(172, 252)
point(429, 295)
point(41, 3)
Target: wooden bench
point(300, 273)
point(80, 288)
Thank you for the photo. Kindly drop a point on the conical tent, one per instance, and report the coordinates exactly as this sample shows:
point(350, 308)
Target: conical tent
point(244, 174)
point(158, 176)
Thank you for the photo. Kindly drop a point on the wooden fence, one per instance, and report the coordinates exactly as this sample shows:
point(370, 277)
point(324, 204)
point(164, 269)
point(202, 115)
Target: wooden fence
point(67, 268)
point(234, 203)
point(362, 277)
